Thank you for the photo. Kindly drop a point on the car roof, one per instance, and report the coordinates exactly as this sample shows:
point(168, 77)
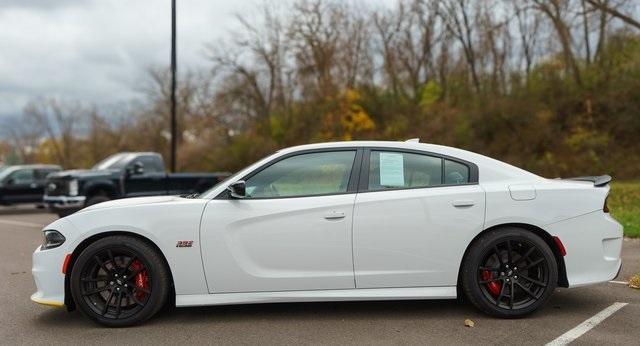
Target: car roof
point(412, 144)
point(491, 169)
point(138, 153)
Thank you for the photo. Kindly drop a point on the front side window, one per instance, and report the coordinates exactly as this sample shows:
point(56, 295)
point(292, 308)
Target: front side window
point(150, 164)
point(303, 175)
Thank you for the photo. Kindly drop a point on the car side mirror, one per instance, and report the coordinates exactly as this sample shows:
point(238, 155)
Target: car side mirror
point(10, 181)
point(138, 168)
point(237, 189)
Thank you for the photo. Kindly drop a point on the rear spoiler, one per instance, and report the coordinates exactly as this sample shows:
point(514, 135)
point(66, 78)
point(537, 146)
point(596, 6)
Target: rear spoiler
point(598, 181)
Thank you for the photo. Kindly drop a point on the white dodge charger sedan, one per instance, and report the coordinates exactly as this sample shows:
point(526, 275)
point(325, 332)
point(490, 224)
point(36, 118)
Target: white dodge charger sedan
point(332, 222)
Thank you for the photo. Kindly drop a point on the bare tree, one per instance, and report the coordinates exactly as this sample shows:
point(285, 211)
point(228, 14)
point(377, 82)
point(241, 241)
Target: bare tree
point(528, 23)
point(459, 18)
point(604, 6)
point(555, 11)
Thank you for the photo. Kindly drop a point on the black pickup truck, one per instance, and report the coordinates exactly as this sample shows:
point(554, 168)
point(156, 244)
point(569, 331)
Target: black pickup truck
point(118, 176)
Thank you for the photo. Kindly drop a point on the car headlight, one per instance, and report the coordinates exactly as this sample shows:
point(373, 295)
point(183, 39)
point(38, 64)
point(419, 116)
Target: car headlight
point(52, 239)
point(73, 187)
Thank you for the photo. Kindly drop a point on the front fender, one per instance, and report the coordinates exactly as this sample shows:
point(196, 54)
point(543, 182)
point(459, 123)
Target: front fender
point(163, 224)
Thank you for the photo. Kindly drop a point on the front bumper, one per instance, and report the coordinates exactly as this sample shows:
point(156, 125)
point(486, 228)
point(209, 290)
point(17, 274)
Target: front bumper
point(64, 202)
point(593, 243)
point(47, 273)
point(47, 266)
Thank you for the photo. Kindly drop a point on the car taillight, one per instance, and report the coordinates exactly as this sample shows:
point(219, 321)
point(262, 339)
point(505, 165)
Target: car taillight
point(606, 206)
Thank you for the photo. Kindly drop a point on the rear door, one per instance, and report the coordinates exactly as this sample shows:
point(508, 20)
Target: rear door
point(413, 218)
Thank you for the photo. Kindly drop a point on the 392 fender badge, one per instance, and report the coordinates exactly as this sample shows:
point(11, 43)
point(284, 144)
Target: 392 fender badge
point(184, 243)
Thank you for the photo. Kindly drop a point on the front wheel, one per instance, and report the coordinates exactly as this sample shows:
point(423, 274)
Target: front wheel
point(509, 272)
point(119, 281)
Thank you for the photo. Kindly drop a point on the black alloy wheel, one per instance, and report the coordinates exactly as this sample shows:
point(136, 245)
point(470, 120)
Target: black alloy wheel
point(119, 281)
point(509, 272)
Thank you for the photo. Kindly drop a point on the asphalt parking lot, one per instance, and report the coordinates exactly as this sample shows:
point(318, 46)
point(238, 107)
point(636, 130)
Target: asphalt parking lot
point(406, 322)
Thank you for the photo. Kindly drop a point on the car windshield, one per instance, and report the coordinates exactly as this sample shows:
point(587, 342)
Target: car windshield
point(4, 171)
point(198, 195)
point(234, 176)
point(117, 161)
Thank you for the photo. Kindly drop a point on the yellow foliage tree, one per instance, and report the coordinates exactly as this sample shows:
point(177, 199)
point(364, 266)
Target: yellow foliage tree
point(348, 119)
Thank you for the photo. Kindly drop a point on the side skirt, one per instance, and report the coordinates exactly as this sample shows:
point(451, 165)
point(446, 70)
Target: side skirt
point(411, 293)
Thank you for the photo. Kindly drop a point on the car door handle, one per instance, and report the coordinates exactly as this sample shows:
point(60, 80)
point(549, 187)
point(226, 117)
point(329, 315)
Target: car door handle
point(463, 203)
point(334, 215)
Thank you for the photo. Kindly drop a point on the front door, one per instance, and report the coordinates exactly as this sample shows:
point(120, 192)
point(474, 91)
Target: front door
point(151, 181)
point(413, 219)
point(292, 231)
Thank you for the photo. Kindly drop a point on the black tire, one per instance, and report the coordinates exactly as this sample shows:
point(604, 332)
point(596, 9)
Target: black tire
point(64, 212)
point(95, 199)
point(490, 271)
point(119, 281)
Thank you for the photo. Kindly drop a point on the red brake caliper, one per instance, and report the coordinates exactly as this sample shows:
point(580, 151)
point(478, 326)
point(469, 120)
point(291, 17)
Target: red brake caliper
point(141, 279)
point(493, 287)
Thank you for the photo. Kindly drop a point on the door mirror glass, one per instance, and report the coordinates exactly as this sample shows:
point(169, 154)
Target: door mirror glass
point(237, 189)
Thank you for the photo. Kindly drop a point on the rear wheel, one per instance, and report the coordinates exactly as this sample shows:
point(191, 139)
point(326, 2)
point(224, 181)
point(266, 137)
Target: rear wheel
point(119, 281)
point(509, 272)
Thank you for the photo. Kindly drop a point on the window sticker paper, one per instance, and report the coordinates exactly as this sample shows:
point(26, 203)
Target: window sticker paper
point(391, 169)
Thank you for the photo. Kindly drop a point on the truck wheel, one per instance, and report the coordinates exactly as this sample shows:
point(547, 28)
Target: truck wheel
point(64, 212)
point(96, 199)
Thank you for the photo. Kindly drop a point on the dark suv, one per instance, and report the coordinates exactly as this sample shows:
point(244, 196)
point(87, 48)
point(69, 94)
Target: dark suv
point(24, 183)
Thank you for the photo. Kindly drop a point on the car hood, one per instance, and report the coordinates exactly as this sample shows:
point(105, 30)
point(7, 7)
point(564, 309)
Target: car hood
point(130, 202)
point(82, 173)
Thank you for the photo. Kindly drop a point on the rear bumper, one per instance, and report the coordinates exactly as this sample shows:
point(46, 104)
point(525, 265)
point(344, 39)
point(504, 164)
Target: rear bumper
point(64, 202)
point(593, 242)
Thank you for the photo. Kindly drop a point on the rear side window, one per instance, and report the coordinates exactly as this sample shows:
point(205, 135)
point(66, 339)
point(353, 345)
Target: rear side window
point(455, 173)
point(399, 170)
point(393, 170)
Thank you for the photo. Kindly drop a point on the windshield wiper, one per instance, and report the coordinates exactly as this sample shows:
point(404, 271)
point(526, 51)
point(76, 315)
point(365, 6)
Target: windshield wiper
point(191, 195)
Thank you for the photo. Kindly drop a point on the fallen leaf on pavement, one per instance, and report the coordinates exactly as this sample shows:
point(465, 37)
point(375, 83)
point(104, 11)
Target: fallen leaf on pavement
point(469, 323)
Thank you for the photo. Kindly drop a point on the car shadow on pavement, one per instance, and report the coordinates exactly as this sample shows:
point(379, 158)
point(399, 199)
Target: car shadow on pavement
point(365, 310)
point(60, 317)
point(314, 311)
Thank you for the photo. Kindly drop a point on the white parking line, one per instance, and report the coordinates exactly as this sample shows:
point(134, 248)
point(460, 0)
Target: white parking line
point(587, 325)
point(21, 223)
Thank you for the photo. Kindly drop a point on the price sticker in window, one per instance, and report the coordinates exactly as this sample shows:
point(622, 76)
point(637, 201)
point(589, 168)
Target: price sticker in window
point(391, 169)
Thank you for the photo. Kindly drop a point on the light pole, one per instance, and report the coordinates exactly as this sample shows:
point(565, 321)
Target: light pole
point(174, 139)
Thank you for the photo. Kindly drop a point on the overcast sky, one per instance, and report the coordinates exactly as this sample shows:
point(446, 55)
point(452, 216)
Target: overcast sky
point(99, 51)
